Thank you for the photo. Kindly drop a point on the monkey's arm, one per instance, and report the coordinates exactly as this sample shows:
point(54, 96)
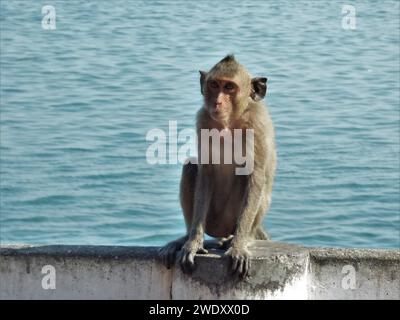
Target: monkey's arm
point(194, 244)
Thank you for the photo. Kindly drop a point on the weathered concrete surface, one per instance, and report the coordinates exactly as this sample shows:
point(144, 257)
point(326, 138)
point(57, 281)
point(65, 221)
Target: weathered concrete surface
point(83, 272)
point(376, 274)
point(279, 271)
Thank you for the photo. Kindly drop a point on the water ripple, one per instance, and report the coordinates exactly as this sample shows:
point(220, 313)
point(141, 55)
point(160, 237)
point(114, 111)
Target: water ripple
point(77, 102)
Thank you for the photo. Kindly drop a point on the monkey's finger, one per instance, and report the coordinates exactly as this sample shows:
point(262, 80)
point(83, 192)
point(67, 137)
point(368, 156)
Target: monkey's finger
point(183, 259)
point(239, 270)
point(234, 264)
point(248, 265)
point(245, 266)
point(186, 263)
point(190, 262)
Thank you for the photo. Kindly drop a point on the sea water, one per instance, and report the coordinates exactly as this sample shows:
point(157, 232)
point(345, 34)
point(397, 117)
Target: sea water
point(78, 100)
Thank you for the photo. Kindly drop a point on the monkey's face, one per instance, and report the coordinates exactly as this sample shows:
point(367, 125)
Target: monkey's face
point(221, 97)
point(228, 90)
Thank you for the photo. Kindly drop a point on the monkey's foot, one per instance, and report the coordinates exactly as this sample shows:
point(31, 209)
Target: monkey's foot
point(240, 261)
point(167, 254)
point(219, 243)
point(187, 254)
point(225, 243)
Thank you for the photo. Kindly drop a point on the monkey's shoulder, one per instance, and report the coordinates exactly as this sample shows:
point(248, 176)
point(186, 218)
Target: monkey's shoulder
point(257, 114)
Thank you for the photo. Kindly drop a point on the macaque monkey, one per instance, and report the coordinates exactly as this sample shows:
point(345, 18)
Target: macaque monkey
point(214, 198)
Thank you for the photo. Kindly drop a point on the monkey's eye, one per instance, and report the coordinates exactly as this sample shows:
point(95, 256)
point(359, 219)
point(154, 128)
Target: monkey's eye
point(229, 86)
point(213, 84)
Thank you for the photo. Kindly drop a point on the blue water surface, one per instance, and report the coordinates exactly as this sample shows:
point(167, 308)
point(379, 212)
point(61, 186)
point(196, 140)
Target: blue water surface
point(78, 101)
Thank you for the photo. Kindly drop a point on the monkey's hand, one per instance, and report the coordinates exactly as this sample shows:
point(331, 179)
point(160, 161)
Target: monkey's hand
point(188, 252)
point(240, 260)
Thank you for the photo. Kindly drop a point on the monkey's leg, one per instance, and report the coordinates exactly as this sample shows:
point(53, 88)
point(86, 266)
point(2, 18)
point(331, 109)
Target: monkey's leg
point(201, 204)
point(186, 192)
point(168, 253)
point(261, 234)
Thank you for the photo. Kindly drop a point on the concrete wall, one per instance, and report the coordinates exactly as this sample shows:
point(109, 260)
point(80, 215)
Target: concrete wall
point(279, 271)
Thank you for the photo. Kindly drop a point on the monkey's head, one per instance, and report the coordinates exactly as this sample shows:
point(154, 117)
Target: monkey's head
point(228, 89)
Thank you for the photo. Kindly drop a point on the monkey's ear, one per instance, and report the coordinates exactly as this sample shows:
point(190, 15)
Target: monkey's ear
point(258, 88)
point(203, 75)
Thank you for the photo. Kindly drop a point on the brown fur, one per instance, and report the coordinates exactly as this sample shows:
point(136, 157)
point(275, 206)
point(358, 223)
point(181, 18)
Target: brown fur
point(214, 199)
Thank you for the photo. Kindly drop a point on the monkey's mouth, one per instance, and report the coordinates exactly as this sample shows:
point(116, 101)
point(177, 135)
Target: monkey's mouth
point(217, 111)
point(217, 114)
